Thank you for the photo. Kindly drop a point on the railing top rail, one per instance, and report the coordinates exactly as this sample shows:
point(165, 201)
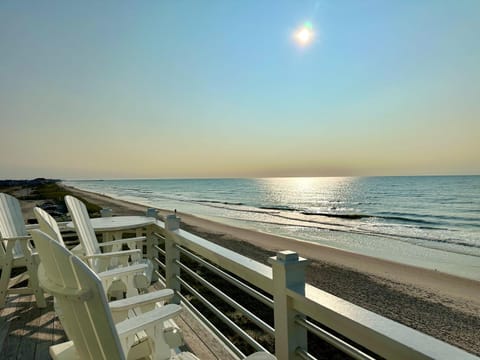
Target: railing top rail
point(385, 337)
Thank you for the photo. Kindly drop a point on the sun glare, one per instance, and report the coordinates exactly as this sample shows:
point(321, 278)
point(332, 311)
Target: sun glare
point(304, 34)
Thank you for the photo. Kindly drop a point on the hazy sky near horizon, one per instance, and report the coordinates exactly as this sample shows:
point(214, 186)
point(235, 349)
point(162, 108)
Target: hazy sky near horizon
point(139, 89)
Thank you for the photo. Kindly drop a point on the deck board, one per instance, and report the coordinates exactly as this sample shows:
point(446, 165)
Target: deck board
point(26, 331)
point(46, 322)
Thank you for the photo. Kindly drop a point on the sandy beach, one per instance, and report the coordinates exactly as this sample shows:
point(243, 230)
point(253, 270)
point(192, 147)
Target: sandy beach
point(444, 306)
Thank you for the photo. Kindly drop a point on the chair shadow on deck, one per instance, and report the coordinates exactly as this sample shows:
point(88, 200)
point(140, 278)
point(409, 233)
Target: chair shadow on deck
point(26, 331)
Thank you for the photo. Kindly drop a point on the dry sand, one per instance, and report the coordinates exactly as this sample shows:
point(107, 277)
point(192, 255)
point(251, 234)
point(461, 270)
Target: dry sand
point(444, 306)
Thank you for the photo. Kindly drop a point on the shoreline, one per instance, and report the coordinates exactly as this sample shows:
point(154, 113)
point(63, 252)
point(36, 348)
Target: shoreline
point(430, 280)
point(442, 305)
point(438, 246)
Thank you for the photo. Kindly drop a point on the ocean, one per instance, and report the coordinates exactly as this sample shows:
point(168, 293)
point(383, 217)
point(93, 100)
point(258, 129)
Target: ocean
point(427, 221)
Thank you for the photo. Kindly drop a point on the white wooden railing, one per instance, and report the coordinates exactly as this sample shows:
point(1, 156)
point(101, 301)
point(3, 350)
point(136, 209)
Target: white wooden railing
point(298, 308)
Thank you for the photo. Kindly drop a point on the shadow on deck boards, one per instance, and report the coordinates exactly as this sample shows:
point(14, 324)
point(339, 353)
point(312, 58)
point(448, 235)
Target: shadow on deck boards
point(26, 332)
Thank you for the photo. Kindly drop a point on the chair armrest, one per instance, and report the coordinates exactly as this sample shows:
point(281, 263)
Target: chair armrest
point(106, 261)
point(15, 238)
point(24, 240)
point(122, 241)
point(78, 250)
point(114, 254)
point(141, 300)
point(122, 271)
point(131, 326)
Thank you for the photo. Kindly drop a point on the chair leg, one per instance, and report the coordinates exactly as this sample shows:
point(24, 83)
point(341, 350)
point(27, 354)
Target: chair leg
point(33, 284)
point(4, 280)
point(32, 269)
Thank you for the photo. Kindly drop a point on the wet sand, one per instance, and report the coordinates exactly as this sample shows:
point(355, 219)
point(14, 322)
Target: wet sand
point(442, 305)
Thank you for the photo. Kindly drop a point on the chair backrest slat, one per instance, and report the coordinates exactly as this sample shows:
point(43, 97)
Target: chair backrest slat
point(83, 226)
point(48, 225)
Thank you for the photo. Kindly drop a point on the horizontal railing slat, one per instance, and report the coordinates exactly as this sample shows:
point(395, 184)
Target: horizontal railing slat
point(255, 319)
point(382, 336)
point(257, 295)
point(250, 270)
point(226, 320)
point(333, 340)
point(212, 327)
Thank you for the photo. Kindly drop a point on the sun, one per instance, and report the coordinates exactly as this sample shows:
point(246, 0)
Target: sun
point(304, 34)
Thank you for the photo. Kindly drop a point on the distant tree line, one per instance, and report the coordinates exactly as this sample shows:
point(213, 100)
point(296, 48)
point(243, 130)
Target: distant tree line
point(34, 182)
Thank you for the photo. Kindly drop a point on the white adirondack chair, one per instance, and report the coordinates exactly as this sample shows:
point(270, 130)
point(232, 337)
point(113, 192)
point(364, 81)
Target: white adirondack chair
point(102, 261)
point(86, 314)
point(121, 309)
point(117, 280)
point(16, 252)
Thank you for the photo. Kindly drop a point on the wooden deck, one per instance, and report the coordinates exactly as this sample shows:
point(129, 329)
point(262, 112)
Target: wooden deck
point(26, 332)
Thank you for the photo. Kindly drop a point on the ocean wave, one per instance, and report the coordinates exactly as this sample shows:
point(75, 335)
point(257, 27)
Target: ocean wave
point(230, 207)
point(408, 220)
point(279, 207)
point(473, 211)
point(218, 202)
point(413, 239)
point(367, 216)
point(455, 242)
point(437, 217)
point(336, 215)
point(435, 228)
point(308, 221)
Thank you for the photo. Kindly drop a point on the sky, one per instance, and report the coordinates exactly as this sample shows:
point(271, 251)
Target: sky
point(154, 89)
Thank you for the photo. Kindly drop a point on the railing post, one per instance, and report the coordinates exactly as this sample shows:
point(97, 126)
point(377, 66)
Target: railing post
point(172, 254)
point(288, 272)
point(152, 252)
point(152, 212)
